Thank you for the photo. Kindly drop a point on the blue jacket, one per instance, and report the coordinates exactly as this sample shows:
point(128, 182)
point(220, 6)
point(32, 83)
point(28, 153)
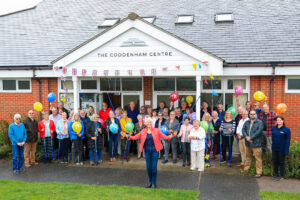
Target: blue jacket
point(17, 133)
point(133, 115)
point(73, 133)
point(59, 128)
point(281, 138)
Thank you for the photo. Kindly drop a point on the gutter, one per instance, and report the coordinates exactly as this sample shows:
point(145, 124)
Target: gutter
point(32, 67)
point(272, 83)
point(262, 64)
point(39, 89)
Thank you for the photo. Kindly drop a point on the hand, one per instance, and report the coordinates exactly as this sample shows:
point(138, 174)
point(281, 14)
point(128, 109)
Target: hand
point(59, 133)
point(93, 138)
point(99, 130)
point(79, 135)
point(43, 130)
point(171, 136)
point(220, 129)
point(248, 138)
point(23, 143)
point(178, 136)
point(240, 137)
point(51, 132)
point(230, 130)
point(19, 144)
point(251, 141)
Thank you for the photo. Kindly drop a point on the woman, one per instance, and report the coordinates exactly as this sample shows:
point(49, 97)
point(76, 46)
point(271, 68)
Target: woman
point(77, 140)
point(197, 137)
point(154, 117)
point(46, 129)
point(95, 140)
point(125, 119)
point(113, 137)
point(138, 127)
point(63, 136)
point(166, 113)
point(227, 129)
point(150, 142)
point(90, 113)
point(149, 112)
point(183, 106)
point(216, 122)
point(209, 133)
point(160, 122)
point(119, 111)
point(281, 138)
point(185, 141)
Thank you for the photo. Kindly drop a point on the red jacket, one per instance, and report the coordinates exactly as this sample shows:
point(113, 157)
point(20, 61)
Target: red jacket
point(156, 134)
point(104, 115)
point(42, 126)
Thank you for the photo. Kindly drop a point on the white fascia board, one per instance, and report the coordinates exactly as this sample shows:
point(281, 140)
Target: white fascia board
point(27, 73)
point(261, 71)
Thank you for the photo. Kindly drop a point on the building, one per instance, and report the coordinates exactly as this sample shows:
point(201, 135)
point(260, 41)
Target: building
point(144, 50)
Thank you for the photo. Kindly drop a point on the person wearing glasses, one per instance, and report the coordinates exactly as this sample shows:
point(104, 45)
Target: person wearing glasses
point(17, 134)
point(252, 132)
point(31, 126)
point(160, 122)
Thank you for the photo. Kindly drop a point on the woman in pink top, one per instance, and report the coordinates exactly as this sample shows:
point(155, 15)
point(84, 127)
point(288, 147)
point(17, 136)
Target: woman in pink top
point(185, 141)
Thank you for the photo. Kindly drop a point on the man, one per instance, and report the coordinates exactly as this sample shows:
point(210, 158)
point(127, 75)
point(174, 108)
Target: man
point(55, 117)
point(104, 115)
point(61, 106)
point(161, 106)
point(183, 105)
point(132, 112)
point(241, 138)
point(252, 132)
point(221, 112)
point(85, 120)
point(268, 119)
point(143, 111)
point(166, 113)
point(17, 134)
point(204, 109)
point(238, 118)
point(31, 126)
point(256, 107)
point(178, 115)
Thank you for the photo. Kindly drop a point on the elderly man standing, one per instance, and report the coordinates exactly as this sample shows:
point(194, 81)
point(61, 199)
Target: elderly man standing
point(241, 138)
point(31, 126)
point(133, 112)
point(268, 119)
point(55, 117)
point(252, 132)
point(221, 112)
point(17, 134)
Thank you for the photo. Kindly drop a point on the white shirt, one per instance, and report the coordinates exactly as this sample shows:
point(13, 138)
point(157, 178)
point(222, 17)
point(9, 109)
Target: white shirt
point(240, 126)
point(199, 144)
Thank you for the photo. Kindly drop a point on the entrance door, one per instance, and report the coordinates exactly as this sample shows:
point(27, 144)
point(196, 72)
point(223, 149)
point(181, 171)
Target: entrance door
point(115, 99)
point(131, 97)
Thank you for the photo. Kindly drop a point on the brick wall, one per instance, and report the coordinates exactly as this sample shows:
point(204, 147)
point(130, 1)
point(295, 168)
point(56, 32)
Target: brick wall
point(12, 103)
point(292, 117)
point(148, 94)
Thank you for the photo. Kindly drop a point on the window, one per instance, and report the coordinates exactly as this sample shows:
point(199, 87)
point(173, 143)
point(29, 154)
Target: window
point(292, 84)
point(164, 84)
point(150, 19)
point(231, 84)
point(207, 85)
point(186, 84)
point(68, 84)
point(24, 85)
point(109, 22)
point(185, 19)
point(224, 17)
point(110, 84)
point(15, 85)
point(132, 84)
point(88, 84)
point(9, 85)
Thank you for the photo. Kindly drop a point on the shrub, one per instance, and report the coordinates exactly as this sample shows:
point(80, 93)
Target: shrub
point(4, 139)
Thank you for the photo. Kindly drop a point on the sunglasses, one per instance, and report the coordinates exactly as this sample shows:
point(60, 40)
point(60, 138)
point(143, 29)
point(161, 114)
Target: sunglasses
point(18, 118)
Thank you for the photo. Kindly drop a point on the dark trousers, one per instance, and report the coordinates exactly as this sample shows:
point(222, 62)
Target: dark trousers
point(64, 148)
point(48, 148)
point(113, 148)
point(186, 154)
point(173, 143)
point(278, 161)
point(151, 156)
point(85, 149)
point(227, 143)
point(77, 150)
point(18, 157)
point(123, 144)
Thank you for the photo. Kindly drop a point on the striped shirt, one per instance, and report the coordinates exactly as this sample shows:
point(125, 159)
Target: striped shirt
point(225, 126)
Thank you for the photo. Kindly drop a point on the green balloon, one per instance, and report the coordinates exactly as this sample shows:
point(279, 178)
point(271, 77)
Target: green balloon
point(233, 110)
point(129, 126)
point(204, 125)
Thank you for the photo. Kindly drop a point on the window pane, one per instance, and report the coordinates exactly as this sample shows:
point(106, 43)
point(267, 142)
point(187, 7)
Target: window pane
point(230, 100)
point(294, 84)
point(24, 85)
point(231, 84)
point(68, 84)
point(9, 85)
point(89, 84)
point(128, 98)
point(164, 84)
point(87, 100)
point(217, 84)
point(68, 99)
point(131, 84)
point(186, 84)
point(212, 100)
point(110, 84)
point(164, 98)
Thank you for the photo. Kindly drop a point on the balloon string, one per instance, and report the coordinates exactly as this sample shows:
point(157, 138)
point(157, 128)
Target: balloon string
point(111, 105)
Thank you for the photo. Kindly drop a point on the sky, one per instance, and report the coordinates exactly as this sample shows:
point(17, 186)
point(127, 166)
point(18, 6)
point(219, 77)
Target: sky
point(11, 6)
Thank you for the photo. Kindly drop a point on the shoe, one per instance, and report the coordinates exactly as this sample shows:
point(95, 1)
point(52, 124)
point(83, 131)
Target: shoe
point(81, 163)
point(16, 172)
point(78, 163)
point(164, 161)
point(279, 178)
point(192, 169)
point(110, 160)
point(223, 161)
point(35, 163)
point(114, 159)
point(183, 165)
point(174, 161)
point(22, 170)
point(240, 165)
point(153, 186)
point(275, 177)
point(243, 171)
point(200, 170)
point(92, 163)
point(149, 185)
point(257, 175)
point(27, 165)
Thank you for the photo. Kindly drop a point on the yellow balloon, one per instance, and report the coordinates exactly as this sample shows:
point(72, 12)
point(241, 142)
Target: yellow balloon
point(189, 99)
point(259, 96)
point(77, 127)
point(38, 106)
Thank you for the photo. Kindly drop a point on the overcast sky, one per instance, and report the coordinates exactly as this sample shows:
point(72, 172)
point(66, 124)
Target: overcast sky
point(11, 6)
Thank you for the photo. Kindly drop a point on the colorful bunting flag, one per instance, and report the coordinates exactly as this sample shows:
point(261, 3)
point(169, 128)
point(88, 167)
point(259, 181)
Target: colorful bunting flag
point(153, 72)
point(199, 66)
point(83, 72)
point(64, 71)
point(74, 71)
point(178, 67)
point(117, 72)
point(195, 66)
point(205, 62)
point(105, 72)
point(205, 81)
point(142, 72)
point(165, 69)
point(94, 73)
point(56, 68)
point(211, 76)
point(130, 72)
point(214, 93)
point(63, 79)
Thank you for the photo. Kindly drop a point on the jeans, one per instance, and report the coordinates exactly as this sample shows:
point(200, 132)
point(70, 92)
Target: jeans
point(278, 161)
point(99, 152)
point(151, 156)
point(123, 143)
point(64, 148)
point(227, 143)
point(173, 143)
point(113, 138)
point(77, 150)
point(18, 157)
point(186, 154)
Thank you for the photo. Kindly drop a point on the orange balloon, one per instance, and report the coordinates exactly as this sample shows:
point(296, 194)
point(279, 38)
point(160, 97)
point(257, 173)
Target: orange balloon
point(281, 108)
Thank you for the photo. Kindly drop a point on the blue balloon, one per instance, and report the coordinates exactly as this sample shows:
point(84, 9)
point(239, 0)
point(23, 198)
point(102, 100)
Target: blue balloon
point(114, 128)
point(164, 129)
point(51, 97)
point(185, 116)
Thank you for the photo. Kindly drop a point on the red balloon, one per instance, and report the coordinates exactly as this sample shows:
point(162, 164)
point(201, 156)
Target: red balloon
point(174, 96)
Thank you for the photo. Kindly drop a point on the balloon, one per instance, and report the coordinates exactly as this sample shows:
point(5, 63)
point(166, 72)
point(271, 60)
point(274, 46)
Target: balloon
point(129, 126)
point(174, 96)
point(238, 90)
point(259, 96)
point(100, 121)
point(189, 99)
point(204, 125)
point(233, 110)
point(77, 127)
point(51, 97)
point(38, 106)
point(281, 108)
point(193, 116)
point(164, 129)
point(114, 128)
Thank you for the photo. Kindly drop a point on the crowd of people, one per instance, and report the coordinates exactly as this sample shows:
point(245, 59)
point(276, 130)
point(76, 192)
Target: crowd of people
point(256, 130)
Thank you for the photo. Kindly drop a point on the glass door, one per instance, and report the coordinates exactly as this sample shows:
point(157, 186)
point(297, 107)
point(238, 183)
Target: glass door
point(136, 97)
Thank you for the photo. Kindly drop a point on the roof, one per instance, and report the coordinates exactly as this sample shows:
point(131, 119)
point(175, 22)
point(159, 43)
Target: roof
point(263, 30)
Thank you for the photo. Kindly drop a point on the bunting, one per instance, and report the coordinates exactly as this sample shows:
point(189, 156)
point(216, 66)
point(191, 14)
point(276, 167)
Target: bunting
point(63, 79)
point(64, 71)
point(142, 72)
point(105, 72)
point(117, 72)
point(153, 72)
point(164, 68)
point(130, 72)
point(211, 76)
point(84, 72)
point(56, 68)
point(195, 66)
point(199, 66)
point(214, 93)
point(205, 62)
point(94, 73)
point(205, 81)
point(74, 71)
point(178, 67)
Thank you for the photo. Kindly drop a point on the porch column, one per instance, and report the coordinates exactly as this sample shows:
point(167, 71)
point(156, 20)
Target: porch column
point(198, 93)
point(75, 93)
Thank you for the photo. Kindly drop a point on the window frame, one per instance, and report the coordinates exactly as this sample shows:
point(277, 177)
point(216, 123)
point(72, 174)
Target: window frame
point(152, 17)
point(17, 90)
point(190, 22)
point(88, 90)
point(104, 26)
point(287, 90)
point(220, 21)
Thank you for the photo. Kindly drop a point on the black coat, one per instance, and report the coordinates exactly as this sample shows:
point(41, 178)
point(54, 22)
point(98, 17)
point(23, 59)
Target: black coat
point(108, 123)
point(32, 129)
point(90, 132)
point(162, 123)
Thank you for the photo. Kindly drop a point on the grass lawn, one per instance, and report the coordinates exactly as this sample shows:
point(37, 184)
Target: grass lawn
point(266, 195)
point(39, 191)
